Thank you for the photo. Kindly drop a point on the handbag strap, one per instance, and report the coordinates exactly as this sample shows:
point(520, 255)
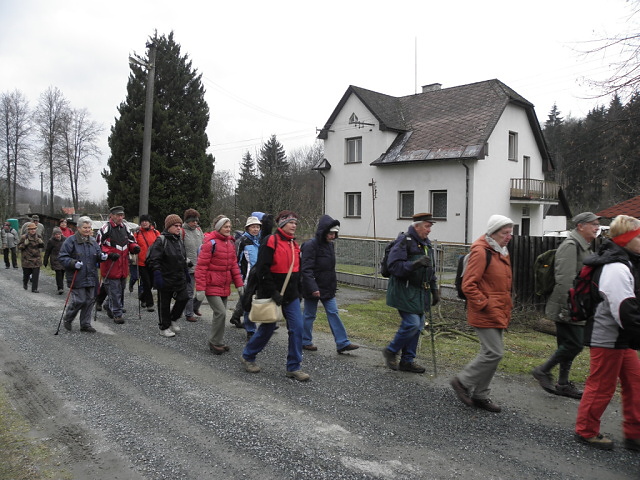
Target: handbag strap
point(286, 280)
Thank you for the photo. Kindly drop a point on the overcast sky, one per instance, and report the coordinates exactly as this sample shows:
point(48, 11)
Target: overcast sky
point(280, 67)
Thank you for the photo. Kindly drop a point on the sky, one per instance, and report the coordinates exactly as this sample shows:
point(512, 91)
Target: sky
point(280, 67)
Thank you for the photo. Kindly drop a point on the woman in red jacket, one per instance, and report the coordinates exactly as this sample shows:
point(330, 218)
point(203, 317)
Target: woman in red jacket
point(145, 237)
point(217, 267)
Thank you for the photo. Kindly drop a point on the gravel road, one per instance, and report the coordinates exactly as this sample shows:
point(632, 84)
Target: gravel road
point(125, 403)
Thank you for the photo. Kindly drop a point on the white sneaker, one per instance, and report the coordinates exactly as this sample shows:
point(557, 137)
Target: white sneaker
point(167, 333)
point(175, 327)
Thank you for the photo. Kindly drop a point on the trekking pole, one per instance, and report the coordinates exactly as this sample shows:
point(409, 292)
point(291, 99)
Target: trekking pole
point(95, 312)
point(66, 301)
point(138, 295)
point(433, 343)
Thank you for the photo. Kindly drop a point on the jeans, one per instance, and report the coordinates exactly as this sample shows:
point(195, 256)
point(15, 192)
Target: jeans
point(407, 336)
point(293, 317)
point(335, 323)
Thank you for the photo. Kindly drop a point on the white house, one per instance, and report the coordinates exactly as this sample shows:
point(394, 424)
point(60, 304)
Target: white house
point(461, 153)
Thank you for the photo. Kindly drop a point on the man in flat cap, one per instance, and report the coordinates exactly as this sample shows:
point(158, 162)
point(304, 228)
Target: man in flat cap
point(35, 219)
point(569, 335)
point(412, 290)
point(116, 240)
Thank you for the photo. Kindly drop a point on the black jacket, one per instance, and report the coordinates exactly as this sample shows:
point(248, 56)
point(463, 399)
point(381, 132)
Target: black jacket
point(168, 255)
point(319, 262)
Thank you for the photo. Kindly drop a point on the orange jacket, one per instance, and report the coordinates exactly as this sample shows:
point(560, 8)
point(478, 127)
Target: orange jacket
point(487, 288)
point(145, 238)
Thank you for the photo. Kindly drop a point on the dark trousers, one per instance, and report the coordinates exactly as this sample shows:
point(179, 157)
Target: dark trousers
point(82, 300)
point(14, 258)
point(34, 273)
point(146, 296)
point(166, 314)
point(60, 279)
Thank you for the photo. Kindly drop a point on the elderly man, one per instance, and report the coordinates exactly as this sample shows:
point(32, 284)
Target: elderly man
point(569, 335)
point(412, 290)
point(35, 219)
point(116, 240)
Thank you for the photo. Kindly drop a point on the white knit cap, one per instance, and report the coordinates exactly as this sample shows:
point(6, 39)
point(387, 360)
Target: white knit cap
point(496, 222)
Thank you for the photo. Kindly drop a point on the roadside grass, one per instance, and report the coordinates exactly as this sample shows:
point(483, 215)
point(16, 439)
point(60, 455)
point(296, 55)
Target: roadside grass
point(23, 458)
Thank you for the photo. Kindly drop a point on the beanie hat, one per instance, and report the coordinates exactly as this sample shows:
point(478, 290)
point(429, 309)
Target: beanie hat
point(145, 218)
point(219, 222)
point(496, 222)
point(285, 217)
point(252, 221)
point(56, 230)
point(171, 220)
point(191, 215)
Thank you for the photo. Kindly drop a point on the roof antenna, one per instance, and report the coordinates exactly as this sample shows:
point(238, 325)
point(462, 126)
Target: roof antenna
point(415, 48)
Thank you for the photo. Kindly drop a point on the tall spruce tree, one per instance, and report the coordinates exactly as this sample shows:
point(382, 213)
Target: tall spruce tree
point(275, 177)
point(181, 169)
point(247, 189)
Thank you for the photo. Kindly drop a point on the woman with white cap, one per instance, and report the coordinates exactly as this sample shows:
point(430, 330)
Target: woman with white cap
point(487, 285)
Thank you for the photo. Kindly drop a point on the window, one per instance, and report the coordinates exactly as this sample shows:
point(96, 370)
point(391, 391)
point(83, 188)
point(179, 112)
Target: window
point(354, 150)
point(526, 167)
point(513, 146)
point(353, 204)
point(439, 204)
point(405, 202)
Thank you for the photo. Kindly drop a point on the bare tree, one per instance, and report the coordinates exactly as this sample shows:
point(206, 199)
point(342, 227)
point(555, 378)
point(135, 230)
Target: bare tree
point(222, 187)
point(77, 146)
point(16, 123)
point(307, 183)
point(49, 119)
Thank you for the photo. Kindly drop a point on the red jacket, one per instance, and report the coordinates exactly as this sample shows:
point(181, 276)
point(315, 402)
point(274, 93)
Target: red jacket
point(145, 238)
point(215, 271)
point(118, 239)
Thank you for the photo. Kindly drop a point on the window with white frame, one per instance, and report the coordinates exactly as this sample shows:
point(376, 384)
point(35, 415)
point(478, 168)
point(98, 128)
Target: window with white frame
point(513, 146)
point(353, 204)
point(405, 204)
point(439, 204)
point(354, 150)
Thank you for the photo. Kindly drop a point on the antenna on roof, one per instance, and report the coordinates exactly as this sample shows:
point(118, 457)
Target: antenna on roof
point(415, 48)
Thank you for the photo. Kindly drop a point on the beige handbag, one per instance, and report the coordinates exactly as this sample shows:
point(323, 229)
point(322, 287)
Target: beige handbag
point(266, 310)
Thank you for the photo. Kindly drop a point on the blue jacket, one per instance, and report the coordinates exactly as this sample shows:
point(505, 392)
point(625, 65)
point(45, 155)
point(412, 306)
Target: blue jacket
point(86, 250)
point(248, 252)
point(318, 265)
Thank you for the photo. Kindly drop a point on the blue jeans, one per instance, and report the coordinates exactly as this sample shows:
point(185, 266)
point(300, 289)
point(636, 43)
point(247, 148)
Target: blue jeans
point(407, 336)
point(259, 340)
point(249, 326)
point(337, 327)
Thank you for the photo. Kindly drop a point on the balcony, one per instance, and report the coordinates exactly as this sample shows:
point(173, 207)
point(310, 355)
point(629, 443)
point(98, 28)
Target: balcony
point(531, 190)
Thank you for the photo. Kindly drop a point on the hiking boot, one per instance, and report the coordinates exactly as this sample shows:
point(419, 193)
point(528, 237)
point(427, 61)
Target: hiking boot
point(251, 367)
point(311, 348)
point(487, 404)
point(98, 307)
point(599, 441)
point(348, 348)
point(299, 375)
point(87, 328)
point(217, 349)
point(390, 358)
point(67, 325)
point(632, 444)
point(411, 367)
point(60, 291)
point(545, 379)
point(175, 328)
point(461, 391)
point(167, 333)
point(191, 319)
point(151, 309)
point(119, 320)
point(197, 313)
point(568, 390)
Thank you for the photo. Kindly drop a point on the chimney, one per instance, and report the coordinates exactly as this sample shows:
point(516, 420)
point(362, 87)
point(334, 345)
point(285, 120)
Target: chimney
point(432, 87)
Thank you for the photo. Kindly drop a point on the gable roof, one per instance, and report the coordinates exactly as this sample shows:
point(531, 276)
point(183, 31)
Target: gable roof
point(629, 207)
point(450, 123)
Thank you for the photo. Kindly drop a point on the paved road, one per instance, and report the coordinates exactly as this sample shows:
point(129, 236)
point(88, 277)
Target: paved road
point(126, 403)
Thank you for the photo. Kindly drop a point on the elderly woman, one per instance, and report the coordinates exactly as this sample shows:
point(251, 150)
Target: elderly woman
point(487, 285)
point(51, 253)
point(30, 246)
point(216, 269)
point(613, 336)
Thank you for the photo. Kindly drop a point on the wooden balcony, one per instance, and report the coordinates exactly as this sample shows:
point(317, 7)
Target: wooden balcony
point(529, 189)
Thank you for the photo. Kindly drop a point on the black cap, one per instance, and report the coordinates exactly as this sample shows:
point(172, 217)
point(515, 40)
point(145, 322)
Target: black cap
point(423, 217)
point(115, 210)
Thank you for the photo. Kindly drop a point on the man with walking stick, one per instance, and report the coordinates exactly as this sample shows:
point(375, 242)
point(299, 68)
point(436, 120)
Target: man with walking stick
point(79, 255)
point(412, 290)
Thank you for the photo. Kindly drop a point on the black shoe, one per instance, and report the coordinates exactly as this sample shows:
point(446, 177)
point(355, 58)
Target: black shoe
point(118, 320)
point(35, 291)
point(87, 328)
point(568, 390)
point(461, 391)
point(25, 286)
point(348, 348)
point(310, 347)
point(545, 379)
point(390, 358)
point(632, 444)
point(487, 404)
point(7, 266)
point(98, 307)
point(411, 367)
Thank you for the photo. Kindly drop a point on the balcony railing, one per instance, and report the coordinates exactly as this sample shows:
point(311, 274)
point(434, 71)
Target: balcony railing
point(531, 189)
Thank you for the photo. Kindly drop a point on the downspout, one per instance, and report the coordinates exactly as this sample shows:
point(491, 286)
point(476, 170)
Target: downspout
point(324, 192)
point(466, 203)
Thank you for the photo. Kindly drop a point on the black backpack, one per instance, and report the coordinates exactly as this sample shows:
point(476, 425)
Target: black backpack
point(583, 296)
point(462, 266)
point(384, 263)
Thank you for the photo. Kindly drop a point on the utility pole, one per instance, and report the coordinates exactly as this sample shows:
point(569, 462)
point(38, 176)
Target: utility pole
point(374, 194)
point(145, 168)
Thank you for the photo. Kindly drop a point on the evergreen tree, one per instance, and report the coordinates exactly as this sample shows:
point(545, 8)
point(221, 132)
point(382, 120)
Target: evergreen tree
point(247, 189)
point(181, 169)
point(275, 178)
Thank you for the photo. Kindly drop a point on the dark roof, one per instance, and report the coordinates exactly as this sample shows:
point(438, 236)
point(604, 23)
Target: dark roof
point(440, 124)
point(629, 207)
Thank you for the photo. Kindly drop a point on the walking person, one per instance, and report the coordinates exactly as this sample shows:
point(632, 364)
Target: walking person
point(319, 283)
point(569, 335)
point(279, 253)
point(613, 337)
point(116, 240)
point(216, 269)
point(79, 256)
point(145, 237)
point(192, 236)
point(10, 239)
point(64, 229)
point(35, 219)
point(167, 260)
point(31, 246)
point(487, 285)
point(412, 290)
point(51, 252)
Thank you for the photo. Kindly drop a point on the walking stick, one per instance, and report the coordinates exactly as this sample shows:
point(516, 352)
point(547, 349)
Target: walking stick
point(66, 301)
point(137, 295)
point(433, 344)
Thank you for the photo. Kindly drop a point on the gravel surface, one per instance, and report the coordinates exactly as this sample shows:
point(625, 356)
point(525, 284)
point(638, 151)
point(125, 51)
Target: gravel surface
point(125, 403)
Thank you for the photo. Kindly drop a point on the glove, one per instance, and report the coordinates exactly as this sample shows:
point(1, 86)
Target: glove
point(199, 296)
point(435, 297)
point(189, 263)
point(158, 281)
point(240, 291)
point(135, 250)
point(103, 256)
point(78, 265)
point(277, 298)
point(422, 262)
point(26, 241)
point(113, 256)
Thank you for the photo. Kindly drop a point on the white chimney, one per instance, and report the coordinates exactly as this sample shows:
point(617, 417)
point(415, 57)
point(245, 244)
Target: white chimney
point(432, 87)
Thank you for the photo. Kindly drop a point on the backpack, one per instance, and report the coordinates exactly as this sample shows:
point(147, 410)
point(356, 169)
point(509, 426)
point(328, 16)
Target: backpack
point(462, 267)
point(583, 296)
point(384, 263)
point(544, 273)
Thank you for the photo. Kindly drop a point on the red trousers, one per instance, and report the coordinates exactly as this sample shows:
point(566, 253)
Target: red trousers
point(607, 365)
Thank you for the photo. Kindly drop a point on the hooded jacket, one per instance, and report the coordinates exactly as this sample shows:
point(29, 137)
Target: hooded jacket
point(217, 266)
point(318, 264)
point(86, 250)
point(168, 256)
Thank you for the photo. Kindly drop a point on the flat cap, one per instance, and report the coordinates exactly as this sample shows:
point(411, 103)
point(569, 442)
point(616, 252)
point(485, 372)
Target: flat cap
point(423, 217)
point(585, 217)
point(115, 210)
